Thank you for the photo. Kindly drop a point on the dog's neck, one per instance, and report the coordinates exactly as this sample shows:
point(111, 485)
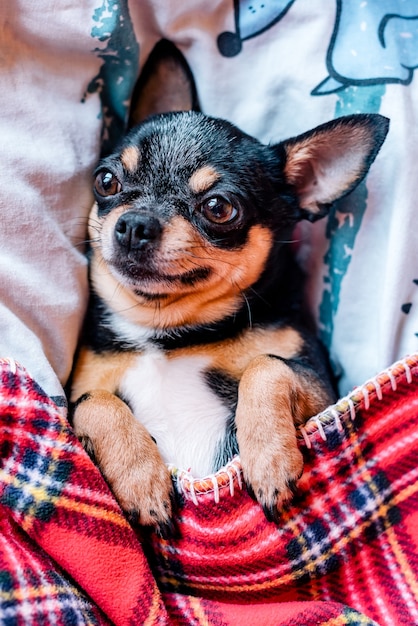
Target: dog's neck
point(137, 323)
point(110, 330)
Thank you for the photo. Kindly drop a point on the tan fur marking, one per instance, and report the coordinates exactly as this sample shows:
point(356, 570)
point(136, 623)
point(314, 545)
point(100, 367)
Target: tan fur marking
point(126, 455)
point(203, 179)
point(234, 355)
point(272, 399)
point(298, 161)
point(99, 371)
point(130, 158)
point(266, 432)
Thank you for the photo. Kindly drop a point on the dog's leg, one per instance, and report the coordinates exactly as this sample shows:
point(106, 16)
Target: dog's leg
point(274, 396)
point(127, 457)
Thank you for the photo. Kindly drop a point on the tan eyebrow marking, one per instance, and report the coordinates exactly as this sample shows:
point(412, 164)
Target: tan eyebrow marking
point(203, 179)
point(130, 158)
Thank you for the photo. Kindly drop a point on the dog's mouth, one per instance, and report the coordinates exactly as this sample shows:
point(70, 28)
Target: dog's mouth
point(148, 280)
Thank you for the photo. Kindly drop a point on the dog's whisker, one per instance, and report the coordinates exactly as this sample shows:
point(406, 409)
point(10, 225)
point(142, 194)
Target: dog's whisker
point(218, 260)
point(287, 241)
point(250, 319)
point(258, 296)
point(88, 242)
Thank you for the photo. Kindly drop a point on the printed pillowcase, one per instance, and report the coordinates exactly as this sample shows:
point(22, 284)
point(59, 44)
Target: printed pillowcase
point(275, 70)
point(50, 142)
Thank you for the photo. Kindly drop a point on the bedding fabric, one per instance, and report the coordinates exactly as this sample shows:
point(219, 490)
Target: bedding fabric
point(346, 551)
point(276, 69)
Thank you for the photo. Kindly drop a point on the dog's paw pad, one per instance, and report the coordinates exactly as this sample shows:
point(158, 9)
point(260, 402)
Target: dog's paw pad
point(87, 444)
point(157, 515)
point(168, 529)
point(272, 512)
point(275, 485)
point(274, 504)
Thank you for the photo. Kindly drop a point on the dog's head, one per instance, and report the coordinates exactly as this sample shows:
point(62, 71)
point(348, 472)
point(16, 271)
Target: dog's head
point(191, 212)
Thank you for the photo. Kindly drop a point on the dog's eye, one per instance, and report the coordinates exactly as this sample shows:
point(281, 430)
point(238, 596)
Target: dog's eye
point(106, 184)
point(218, 210)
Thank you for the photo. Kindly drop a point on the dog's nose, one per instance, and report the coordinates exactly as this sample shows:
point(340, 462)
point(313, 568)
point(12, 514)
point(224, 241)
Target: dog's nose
point(134, 231)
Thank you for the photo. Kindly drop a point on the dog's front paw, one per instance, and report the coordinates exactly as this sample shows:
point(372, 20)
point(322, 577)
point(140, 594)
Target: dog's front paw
point(145, 492)
point(270, 402)
point(271, 478)
point(128, 458)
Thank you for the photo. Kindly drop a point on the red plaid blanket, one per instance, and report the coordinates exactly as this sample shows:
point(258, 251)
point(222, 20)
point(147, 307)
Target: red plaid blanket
point(345, 552)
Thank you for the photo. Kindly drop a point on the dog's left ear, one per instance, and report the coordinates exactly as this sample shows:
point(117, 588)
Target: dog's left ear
point(331, 160)
point(165, 84)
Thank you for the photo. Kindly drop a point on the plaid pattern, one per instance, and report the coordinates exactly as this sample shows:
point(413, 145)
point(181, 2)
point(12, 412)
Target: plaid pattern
point(66, 547)
point(351, 533)
point(32, 589)
point(345, 553)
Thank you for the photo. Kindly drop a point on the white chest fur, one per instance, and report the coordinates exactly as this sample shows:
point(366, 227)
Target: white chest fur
point(173, 401)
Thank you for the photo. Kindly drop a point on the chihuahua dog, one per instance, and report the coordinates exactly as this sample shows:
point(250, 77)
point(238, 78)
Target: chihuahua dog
point(197, 345)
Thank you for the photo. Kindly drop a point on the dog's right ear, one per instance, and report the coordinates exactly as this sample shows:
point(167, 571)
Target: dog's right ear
point(326, 163)
point(165, 84)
